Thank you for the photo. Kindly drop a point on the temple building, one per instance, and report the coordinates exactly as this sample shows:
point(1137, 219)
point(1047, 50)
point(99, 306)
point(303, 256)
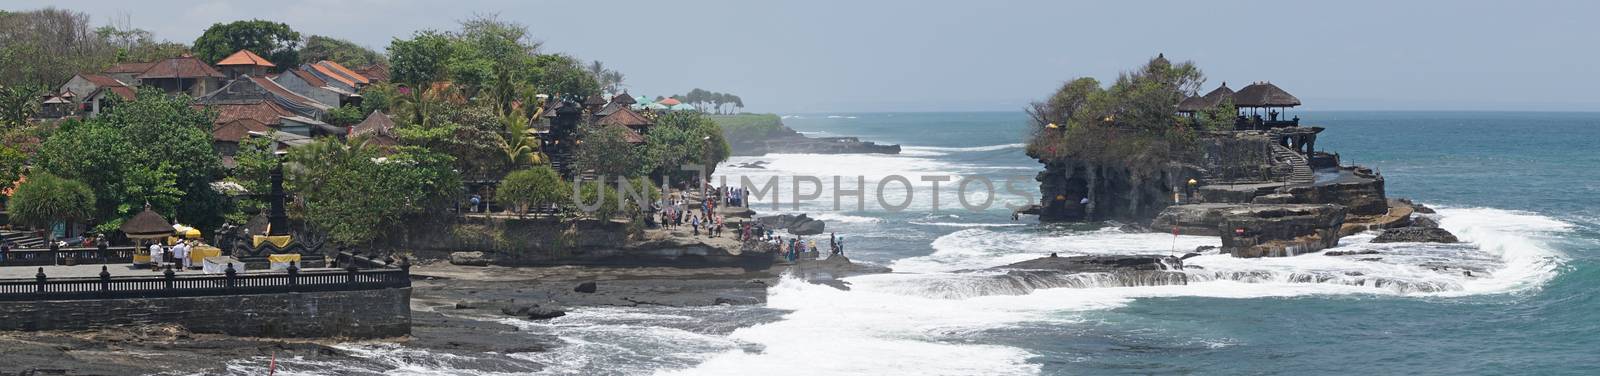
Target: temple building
point(1259, 106)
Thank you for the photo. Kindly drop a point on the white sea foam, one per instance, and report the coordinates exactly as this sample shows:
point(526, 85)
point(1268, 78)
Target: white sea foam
point(903, 323)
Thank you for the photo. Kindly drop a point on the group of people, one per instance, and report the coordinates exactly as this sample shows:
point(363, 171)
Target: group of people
point(793, 249)
point(177, 254)
point(674, 214)
point(735, 197)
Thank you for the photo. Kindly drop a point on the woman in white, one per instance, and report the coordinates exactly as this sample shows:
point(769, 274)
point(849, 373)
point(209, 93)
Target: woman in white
point(181, 251)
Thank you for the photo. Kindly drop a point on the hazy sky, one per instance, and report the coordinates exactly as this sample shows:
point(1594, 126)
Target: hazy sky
point(837, 56)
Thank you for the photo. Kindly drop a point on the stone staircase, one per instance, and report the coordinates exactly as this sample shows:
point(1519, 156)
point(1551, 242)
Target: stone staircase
point(24, 239)
point(1300, 168)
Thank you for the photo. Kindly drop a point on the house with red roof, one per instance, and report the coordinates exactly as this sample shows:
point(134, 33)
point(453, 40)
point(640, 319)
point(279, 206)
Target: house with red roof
point(242, 63)
point(311, 86)
point(182, 74)
point(89, 92)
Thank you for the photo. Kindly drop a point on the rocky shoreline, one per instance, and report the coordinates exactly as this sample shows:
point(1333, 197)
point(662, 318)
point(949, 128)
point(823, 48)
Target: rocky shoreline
point(788, 141)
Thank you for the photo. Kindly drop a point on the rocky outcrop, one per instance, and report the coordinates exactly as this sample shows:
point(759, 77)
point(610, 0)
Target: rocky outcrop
point(1113, 192)
point(786, 140)
point(1358, 189)
point(1415, 235)
point(1259, 230)
point(798, 224)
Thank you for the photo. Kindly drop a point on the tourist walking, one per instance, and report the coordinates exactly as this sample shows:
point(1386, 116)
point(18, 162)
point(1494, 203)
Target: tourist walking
point(696, 223)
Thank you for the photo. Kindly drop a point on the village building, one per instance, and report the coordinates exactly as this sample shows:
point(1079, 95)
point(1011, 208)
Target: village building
point(337, 75)
point(377, 129)
point(128, 73)
point(183, 74)
point(85, 92)
point(243, 63)
point(309, 85)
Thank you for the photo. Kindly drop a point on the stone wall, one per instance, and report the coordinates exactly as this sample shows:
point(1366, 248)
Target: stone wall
point(352, 314)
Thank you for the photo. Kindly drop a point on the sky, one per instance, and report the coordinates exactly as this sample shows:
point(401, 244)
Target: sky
point(995, 55)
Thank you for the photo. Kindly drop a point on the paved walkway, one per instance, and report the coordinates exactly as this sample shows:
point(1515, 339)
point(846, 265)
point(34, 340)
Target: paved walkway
point(93, 271)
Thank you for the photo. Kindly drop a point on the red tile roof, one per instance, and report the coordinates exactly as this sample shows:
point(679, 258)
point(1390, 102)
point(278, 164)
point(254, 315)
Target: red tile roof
point(345, 71)
point(280, 91)
point(375, 72)
point(180, 67)
point(626, 118)
point(127, 93)
point(331, 74)
point(264, 112)
point(102, 80)
point(245, 57)
point(135, 67)
point(309, 78)
point(236, 130)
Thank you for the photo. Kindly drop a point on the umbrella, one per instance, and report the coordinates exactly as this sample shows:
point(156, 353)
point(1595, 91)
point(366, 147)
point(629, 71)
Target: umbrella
point(657, 107)
point(682, 107)
point(670, 102)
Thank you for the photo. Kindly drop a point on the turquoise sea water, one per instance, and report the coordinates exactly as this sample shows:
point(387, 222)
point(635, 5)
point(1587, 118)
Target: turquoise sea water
point(1524, 185)
point(1520, 188)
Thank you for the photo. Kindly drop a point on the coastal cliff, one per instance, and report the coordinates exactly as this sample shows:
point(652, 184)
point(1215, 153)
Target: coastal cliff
point(759, 134)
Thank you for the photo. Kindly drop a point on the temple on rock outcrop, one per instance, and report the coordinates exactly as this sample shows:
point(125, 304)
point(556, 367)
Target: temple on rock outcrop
point(1263, 185)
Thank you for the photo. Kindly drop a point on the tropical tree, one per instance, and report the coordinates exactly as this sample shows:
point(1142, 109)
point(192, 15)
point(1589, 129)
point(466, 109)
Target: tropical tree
point(46, 199)
point(12, 163)
point(521, 142)
point(344, 52)
point(355, 195)
point(680, 138)
point(275, 41)
point(610, 81)
point(155, 149)
point(418, 63)
point(606, 152)
point(539, 186)
point(18, 103)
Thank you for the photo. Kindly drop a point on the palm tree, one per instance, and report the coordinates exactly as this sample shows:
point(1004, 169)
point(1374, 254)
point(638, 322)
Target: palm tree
point(521, 145)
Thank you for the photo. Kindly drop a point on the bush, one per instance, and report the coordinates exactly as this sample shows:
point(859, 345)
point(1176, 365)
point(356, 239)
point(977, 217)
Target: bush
point(46, 199)
point(539, 186)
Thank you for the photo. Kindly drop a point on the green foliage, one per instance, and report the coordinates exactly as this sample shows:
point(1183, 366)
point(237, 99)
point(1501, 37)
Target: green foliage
point(604, 200)
point(344, 52)
point(253, 164)
point(18, 103)
point(610, 81)
point(564, 75)
point(46, 199)
point(356, 196)
point(421, 60)
point(539, 186)
point(155, 149)
point(521, 145)
point(275, 41)
point(606, 152)
point(346, 116)
point(1219, 117)
point(680, 138)
point(471, 134)
point(1133, 122)
point(138, 44)
point(710, 101)
point(379, 97)
point(12, 163)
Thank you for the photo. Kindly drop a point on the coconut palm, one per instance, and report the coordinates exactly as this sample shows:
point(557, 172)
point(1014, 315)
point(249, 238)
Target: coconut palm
point(521, 145)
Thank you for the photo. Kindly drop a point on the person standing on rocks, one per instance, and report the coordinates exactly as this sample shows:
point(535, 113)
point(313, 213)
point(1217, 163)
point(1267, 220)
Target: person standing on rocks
point(695, 222)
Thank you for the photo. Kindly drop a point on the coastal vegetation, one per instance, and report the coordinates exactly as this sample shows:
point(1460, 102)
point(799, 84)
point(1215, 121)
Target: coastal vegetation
point(355, 193)
point(1132, 122)
point(154, 150)
point(739, 127)
point(710, 101)
point(45, 199)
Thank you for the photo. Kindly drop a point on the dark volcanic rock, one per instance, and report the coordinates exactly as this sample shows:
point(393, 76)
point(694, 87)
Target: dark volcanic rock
point(1424, 222)
point(1415, 235)
point(586, 287)
point(796, 224)
point(1253, 230)
point(534, 311)
point(470, 259)
point(1350, 253)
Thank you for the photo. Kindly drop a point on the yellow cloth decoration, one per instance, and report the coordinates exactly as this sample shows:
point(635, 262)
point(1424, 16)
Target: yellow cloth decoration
point(280, 241)
point(199, 254)
point(283, 258)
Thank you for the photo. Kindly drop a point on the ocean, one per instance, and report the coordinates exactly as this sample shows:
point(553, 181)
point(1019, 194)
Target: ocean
point(1518, 188)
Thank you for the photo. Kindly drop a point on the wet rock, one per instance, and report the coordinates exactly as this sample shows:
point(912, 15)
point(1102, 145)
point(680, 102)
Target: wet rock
point(1275, 198)
point(1350, 253)
point(586, 288)
point(1416, 235)
point(466, 305)
point(1424, 222)
point(473, 258)
point(1259, 230)
point(796, 224)
point(534, 311)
